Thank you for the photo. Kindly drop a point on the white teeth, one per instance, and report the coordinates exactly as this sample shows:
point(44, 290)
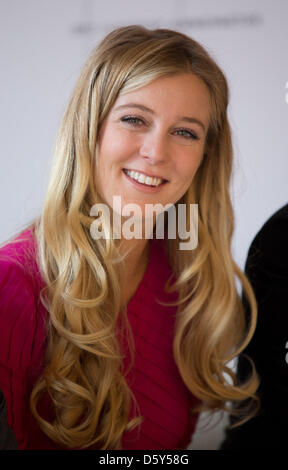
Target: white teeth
point(144, 179)
point(141, 179)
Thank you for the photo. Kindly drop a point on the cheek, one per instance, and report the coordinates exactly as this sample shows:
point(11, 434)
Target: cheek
point(116, 151)
point(189, 167)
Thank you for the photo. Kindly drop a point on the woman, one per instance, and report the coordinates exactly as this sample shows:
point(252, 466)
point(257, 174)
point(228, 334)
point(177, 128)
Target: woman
point(110, 356)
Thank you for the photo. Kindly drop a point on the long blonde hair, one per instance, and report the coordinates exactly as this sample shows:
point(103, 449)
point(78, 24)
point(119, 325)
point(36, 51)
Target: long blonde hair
point(84, 374)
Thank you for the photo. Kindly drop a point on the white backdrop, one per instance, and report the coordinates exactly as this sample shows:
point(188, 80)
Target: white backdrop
point(43, 45)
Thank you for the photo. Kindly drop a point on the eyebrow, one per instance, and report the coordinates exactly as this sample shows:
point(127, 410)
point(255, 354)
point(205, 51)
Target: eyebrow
point(144, 108)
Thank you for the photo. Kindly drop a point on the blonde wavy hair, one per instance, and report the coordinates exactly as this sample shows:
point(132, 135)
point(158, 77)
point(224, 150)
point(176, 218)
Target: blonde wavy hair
point(84, 374)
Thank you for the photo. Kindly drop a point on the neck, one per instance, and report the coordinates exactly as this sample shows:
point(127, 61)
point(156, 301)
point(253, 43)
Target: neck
point(136, 250)
point(136, 263)
point(137, 254)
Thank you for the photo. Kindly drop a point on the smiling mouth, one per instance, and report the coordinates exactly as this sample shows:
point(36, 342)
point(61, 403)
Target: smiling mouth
point(143, 179)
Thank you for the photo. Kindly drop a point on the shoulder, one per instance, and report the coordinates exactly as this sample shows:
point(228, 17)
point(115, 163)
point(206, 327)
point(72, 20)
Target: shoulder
point(18, 301)
point(269, 247)
point(273, 228)
point(21, 252)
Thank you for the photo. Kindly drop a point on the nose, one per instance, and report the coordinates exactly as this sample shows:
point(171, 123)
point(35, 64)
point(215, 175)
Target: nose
point(154, 147)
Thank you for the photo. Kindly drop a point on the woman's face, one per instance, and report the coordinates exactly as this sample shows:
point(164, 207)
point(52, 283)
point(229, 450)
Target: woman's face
point(158, 131)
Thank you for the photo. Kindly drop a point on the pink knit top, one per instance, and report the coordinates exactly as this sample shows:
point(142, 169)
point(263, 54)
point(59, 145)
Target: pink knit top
point(164, 400)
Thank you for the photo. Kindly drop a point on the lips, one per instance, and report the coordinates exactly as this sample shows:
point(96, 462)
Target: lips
point(145, 174)
point(146, 188)
point(143, 179)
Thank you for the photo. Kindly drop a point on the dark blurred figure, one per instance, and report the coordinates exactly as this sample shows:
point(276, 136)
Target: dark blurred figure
point(267, 270)
point(7, 437)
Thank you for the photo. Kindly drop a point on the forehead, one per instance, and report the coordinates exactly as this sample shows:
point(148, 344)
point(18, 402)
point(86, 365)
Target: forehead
point(179, 94)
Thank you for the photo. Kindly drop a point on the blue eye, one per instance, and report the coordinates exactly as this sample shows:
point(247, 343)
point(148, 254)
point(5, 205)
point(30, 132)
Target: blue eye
point(131, 120)
point(190, 134)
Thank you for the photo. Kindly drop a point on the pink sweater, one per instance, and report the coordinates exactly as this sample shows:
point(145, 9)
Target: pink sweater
point(163, 398)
